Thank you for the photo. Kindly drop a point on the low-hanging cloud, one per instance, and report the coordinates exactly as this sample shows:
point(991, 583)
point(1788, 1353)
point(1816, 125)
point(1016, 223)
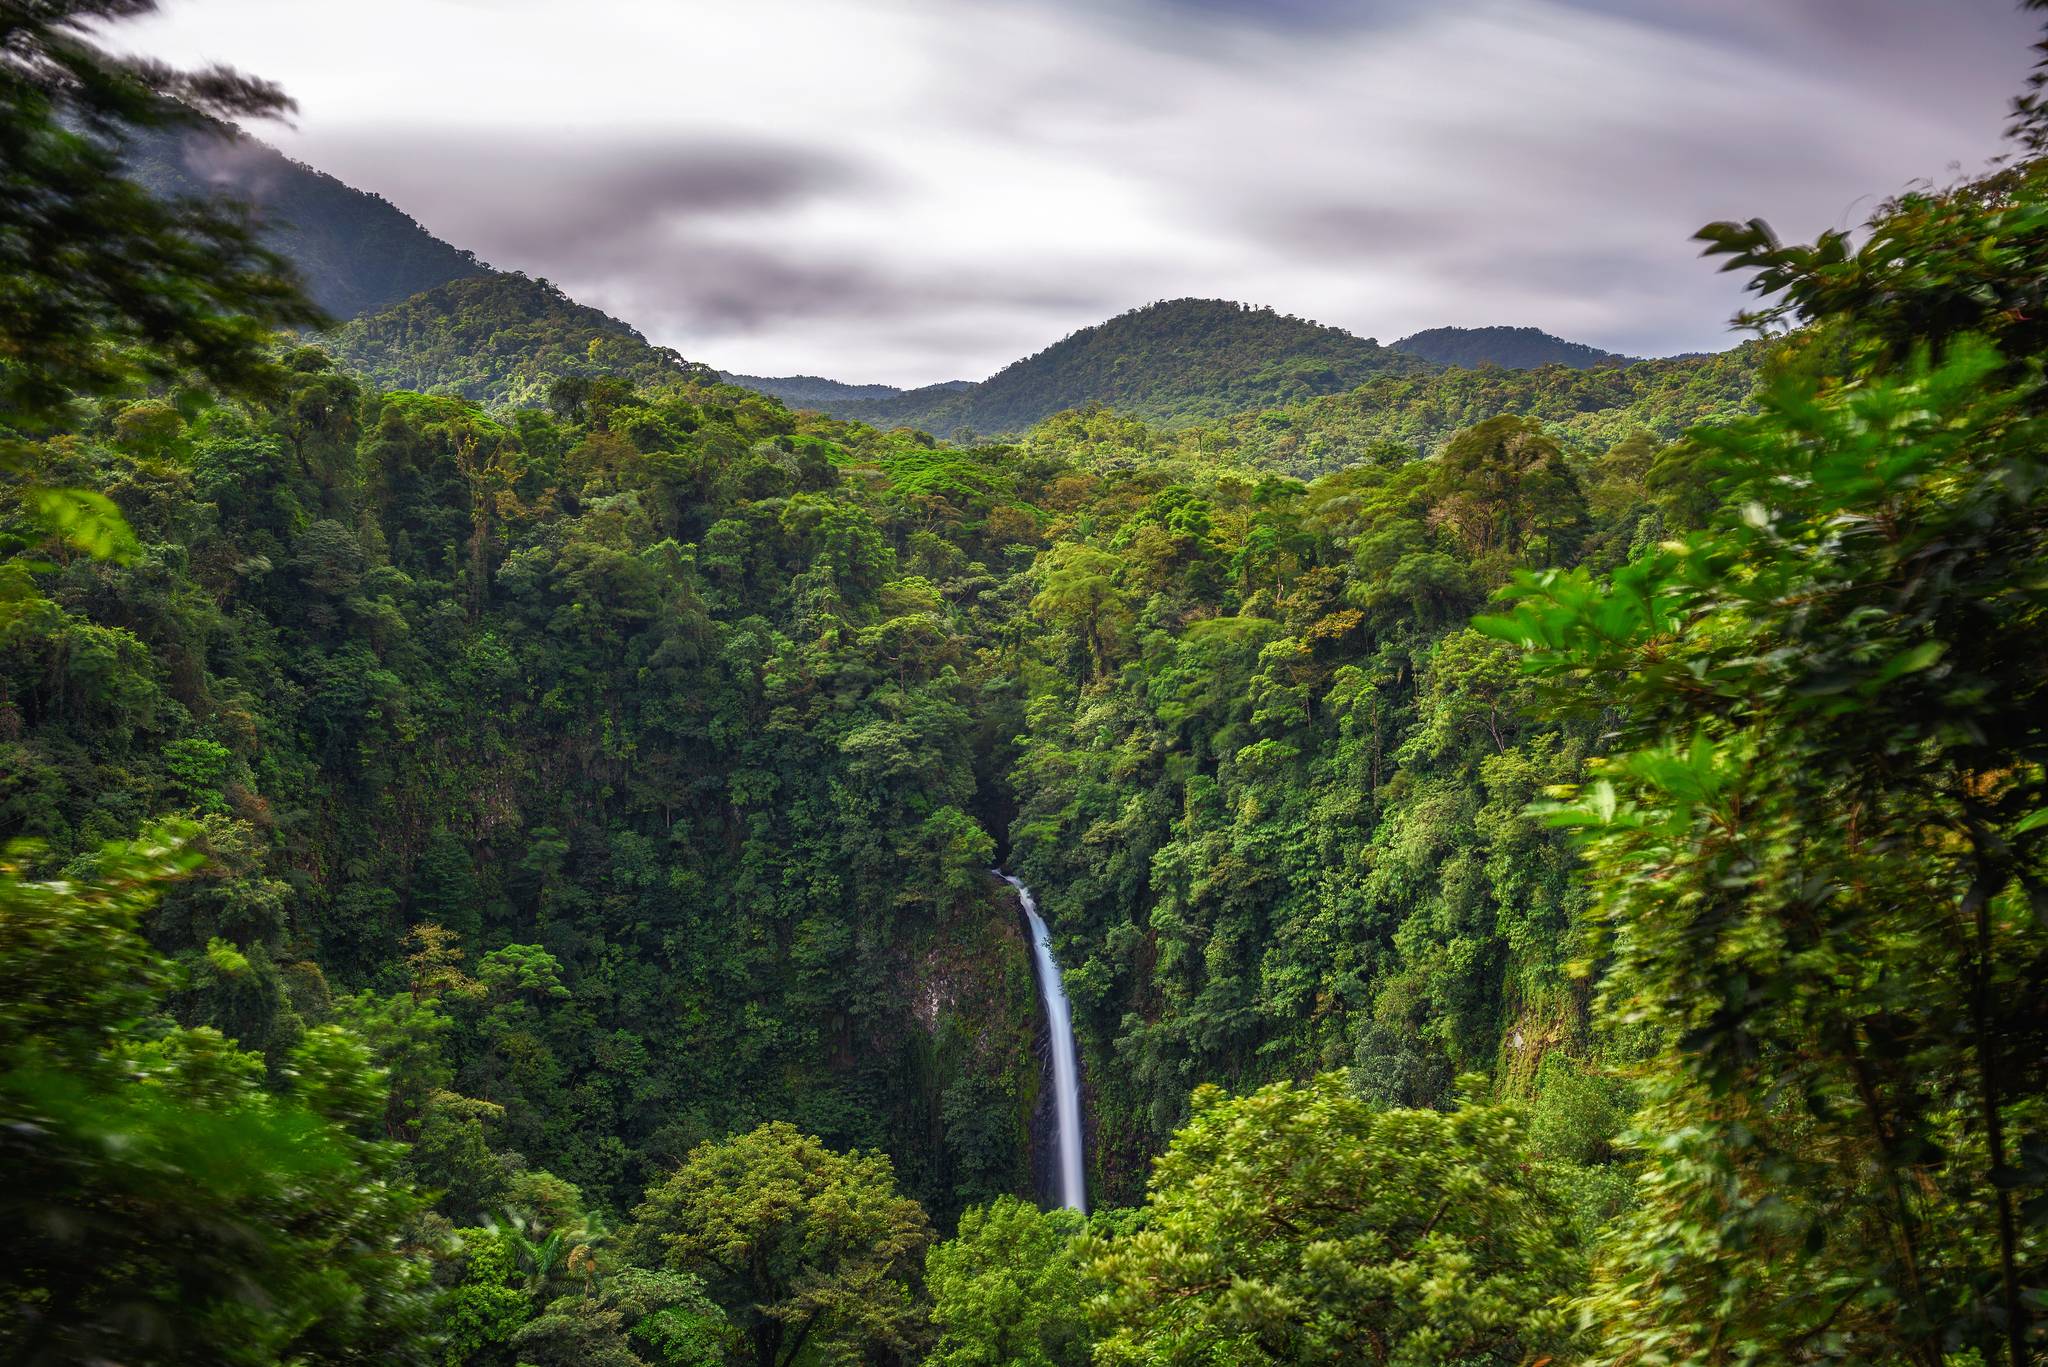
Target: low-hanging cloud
point(891, 190)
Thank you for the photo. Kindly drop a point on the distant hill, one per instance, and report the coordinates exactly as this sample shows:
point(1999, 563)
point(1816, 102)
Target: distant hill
point(500, 338)
point(1175, 361)
point(1510, 348)
point(356, 251)
point(815, 391)
point(1591, 408)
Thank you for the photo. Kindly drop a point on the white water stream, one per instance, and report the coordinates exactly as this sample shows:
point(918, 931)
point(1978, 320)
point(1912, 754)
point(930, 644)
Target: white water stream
point(1066, 1062)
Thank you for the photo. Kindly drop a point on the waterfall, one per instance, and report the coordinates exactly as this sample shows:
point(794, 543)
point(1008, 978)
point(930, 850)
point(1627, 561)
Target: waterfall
point(1066, 1062)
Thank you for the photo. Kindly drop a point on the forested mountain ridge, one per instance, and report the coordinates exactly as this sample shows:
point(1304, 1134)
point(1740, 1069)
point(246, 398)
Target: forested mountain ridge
point(415, 312)
point(502, 339)
point(1171, 361)
point(355, 251)
point(1516, 348)
point(815, 391)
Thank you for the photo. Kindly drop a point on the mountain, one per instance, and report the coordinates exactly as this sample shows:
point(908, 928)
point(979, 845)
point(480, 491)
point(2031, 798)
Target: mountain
point(1511, 348)
point(500, 338)
point(815, 391)
point(357, 252)
point(1173, 361)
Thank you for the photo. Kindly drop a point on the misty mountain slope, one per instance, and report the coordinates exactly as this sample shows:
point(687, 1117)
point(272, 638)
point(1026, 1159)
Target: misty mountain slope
point(500, 338)
point(356, 251)
point(1509, 347)
point(1178, 360)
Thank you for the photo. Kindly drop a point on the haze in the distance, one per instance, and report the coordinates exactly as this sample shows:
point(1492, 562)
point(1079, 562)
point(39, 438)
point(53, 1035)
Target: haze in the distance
point(909, 192)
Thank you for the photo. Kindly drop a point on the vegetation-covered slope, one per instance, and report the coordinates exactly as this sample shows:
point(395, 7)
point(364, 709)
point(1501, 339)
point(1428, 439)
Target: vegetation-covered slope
point(355, 251)
point(679, 694)
point(1415, 414)
point(813, 391)
point(501, 339)
point(1182, 359)
point(1511, 347)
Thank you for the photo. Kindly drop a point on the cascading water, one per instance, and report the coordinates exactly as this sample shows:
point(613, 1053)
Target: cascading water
point(1066, 1062)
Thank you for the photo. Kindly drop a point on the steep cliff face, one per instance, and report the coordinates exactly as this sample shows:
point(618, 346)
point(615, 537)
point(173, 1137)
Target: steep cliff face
point(976, 1062)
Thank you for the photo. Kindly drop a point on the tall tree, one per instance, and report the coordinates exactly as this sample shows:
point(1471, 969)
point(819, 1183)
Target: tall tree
point(99, 280)
point(804, 1247)
point(1821, 859)
point(1300, 1224)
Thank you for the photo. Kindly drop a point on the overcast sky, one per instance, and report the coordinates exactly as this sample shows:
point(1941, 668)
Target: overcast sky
point(879, 190)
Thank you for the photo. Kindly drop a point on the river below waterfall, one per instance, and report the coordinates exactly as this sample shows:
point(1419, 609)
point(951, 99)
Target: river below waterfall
point(1072, 1183)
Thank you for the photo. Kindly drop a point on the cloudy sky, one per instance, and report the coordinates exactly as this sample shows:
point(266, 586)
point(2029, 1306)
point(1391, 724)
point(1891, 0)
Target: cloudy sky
point(916, 190)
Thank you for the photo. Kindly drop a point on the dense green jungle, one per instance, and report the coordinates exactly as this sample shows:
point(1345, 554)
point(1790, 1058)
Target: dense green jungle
point(1550, 865)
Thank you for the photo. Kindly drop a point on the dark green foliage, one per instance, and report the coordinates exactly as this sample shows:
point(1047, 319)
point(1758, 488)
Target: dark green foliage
point(1182, 359)
point(814, 391)
point(1511, 348)
point(354, 251)
point(1404, 416)
point(1300, 1225)
point(165, 1205)
point(100, 282)
point(1271, 795)
point(650, 725)
point(1820, 855)
point(500, 339)
point(590, 802)
point(805, 1248)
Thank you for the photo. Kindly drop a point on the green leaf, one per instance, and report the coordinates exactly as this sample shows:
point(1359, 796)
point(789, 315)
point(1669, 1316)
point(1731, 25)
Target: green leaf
point(1911, 661)
point(86, 520)
point(1600, 800)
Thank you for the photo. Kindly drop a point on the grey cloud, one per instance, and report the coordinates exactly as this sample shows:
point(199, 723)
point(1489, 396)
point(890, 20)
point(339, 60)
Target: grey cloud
point(1342, 230)
point(1299, 15)
point(587, 200)
point(711, 296)
point(726, 285)
point(989, 175)
point(1175, 20)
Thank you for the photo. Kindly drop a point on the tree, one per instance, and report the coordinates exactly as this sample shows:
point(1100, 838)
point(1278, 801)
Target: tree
point(1007, 1289)
point(1503, 486)
point(1079, 595)
point(485, 456)
point(101, 284)
point(165, 1206)
point(1298, 1224)
point(1814, 871)
point(633, 1317)
point(1820, 856)
point(99, 280)
point(803, 1247)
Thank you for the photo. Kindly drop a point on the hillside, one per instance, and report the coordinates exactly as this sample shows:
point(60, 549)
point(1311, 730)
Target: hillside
point(500, 339)
point(356, 251)
point(1588, 409)
point(815, 391)
point(1510, 348)
point(1173, 361)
